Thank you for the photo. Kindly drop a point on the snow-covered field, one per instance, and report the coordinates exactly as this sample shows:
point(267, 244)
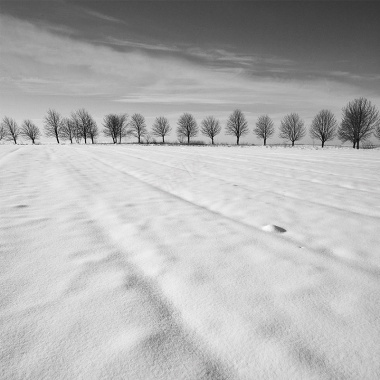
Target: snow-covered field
point(164, 262)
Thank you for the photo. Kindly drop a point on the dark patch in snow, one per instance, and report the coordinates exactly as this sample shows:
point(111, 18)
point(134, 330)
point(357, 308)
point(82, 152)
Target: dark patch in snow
point(273, 228)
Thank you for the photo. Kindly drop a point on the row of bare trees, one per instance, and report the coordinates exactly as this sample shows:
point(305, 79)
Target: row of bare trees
point(80, 125)
point(360, 120)
point(11, 131)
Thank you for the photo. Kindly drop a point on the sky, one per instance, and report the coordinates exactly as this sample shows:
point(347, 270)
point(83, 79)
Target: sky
point(164, 58)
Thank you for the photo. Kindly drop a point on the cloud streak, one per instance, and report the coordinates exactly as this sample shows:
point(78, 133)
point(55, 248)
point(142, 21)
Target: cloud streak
point(102, 16)
point(139, 45)
point(39, 62)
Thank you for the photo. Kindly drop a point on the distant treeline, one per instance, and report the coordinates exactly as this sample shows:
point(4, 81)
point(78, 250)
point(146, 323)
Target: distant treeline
point(360, 119)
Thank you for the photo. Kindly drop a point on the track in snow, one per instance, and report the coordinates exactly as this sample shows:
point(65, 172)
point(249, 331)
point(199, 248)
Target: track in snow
point(147, 262)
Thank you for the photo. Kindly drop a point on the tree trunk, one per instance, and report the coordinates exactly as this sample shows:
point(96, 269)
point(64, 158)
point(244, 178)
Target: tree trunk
point(212, 140)
point(323, 143)
point(237, 140)
point(71, 140)
point(163, 139)
point(265, 141)
point(56, 136)
point(14, 139)
point(32, 141)
point(292, 143)
point(354, 144)
point(188, 139)
point(85, 139)
point(357, 144)
point(138, 138)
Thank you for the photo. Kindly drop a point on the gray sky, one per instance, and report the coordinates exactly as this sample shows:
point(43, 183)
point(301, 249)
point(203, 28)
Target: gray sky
point(207, 58)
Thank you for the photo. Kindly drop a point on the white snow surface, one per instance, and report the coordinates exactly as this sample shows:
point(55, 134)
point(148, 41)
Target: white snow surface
point(163, 262)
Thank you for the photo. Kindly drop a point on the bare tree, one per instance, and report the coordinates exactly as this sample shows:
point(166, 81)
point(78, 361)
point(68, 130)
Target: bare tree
point(3, 132)
point(53, 124)
point(123, 126)
point(264, 128)
point(292, 128)
point(149, 138)
point(80, 118)
point(377, 131)
point(187, 127)
point(12, 131)
point(85, 125)
point(323, 126)
point(237, 125)
point(93, 130)
point(161, 127)
point(68, 131)
point(360, 118)
point(76, 127)
point(210, 127)
point(346, 134)
point(111, 126)
point(115, 126)
point(30, 131)
point(138, 126)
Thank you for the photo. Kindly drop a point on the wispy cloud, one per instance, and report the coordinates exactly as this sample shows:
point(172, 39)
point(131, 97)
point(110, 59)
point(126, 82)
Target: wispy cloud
point(214, 58)
point(165, 98)
point(139, 45)
point(58, 29)
point(102, 16)
point(234, 58)
point(350, 76)
point(39, 62)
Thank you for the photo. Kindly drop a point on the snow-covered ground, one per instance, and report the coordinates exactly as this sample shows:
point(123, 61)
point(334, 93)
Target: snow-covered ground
point(175, 262)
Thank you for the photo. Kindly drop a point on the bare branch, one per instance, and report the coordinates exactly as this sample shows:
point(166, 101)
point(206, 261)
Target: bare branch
point(53, 124)
point(68, 129)
point(115, 126)
point(161, 127)
point(12, 131)
point(323, 126)
point(3, 132)
point(30, 131)
point(210, 127)
point(264, 128)
point(77, 129)
point(122, 128)
point(292, 128)
point(360, 119)
point(149, 138)
point(237, 125)
point(85, 125)
point(377, 131)
point(138, 126)
point(111, 126)
point(93, 130)
point(187, 127)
